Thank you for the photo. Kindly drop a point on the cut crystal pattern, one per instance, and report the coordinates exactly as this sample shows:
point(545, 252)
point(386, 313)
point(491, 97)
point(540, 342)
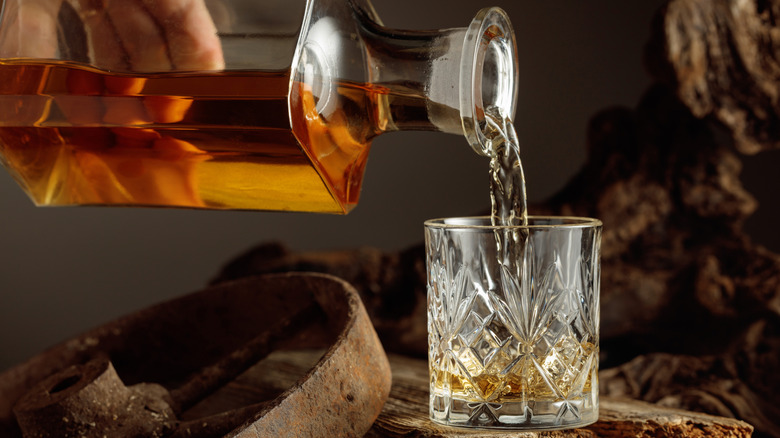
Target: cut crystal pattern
point(513, 349)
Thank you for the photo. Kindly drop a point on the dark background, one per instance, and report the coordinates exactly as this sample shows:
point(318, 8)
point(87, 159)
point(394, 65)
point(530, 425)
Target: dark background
point(64, 270)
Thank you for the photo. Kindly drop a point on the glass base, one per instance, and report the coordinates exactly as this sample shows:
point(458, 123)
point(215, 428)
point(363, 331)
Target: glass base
point(521, 415)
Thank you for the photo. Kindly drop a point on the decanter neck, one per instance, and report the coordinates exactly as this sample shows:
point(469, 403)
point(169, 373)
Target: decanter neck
point(444, 80)
point(440, 80)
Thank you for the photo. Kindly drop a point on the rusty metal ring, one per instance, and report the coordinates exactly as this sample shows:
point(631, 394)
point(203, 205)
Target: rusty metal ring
point(168, 345)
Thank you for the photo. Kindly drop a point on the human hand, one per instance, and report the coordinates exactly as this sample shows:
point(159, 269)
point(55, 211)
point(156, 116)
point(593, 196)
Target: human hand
point(124, 40)
point(121, 35)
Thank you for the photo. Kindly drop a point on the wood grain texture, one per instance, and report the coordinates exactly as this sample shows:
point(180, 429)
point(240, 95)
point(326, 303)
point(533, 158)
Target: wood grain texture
point(406, 415)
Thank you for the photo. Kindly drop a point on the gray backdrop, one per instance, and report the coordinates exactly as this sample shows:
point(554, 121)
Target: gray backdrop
point(64, 270)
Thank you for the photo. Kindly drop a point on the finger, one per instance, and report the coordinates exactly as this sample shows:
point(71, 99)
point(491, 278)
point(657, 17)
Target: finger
point(107, 51)
point(113, 50)
point(140, 36)
point(193, 43)
point(32, 32)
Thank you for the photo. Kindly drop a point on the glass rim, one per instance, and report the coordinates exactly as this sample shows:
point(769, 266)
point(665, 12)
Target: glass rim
point(484, 223)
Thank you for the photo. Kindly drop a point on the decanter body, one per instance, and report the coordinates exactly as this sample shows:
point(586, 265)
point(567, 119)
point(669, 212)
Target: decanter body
point(232, 104)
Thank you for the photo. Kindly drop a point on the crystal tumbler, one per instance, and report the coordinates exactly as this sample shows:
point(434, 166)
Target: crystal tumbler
point(513, 322)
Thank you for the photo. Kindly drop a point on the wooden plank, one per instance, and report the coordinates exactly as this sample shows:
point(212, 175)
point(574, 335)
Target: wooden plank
point(406, 415)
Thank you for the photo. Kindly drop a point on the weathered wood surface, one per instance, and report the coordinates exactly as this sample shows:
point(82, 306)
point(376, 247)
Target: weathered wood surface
point(405, 414)
point(690, 305)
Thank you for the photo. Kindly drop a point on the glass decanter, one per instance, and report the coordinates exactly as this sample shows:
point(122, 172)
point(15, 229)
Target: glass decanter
point(230, 104)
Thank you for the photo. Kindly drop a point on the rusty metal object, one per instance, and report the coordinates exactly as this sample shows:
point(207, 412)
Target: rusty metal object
point(90, 400)
point(174, 355)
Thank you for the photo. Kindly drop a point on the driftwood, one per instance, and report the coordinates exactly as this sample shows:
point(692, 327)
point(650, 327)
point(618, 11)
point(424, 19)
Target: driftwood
point(690, 305)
